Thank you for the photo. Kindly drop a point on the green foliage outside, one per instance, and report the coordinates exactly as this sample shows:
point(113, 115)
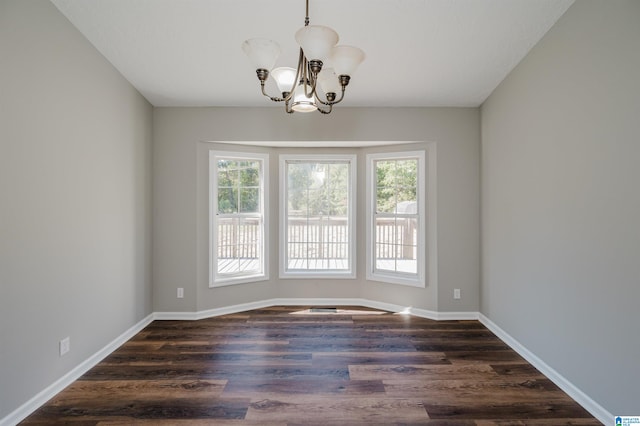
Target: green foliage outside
point(318, 189)
point(396, 182)
point(315, 188)
point(238, 186)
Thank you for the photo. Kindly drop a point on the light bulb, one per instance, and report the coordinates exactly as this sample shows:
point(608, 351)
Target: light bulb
point(301, 102)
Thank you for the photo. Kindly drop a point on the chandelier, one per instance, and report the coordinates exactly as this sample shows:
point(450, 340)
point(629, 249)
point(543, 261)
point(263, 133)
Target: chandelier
point(309, 87)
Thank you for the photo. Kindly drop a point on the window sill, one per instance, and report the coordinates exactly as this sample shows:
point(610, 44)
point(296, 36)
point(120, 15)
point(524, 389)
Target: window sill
point(318, 275)
point(396, 279)
point(223, 282)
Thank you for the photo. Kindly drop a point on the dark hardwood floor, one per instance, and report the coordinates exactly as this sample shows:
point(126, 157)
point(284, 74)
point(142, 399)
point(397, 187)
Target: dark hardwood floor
point(286, 366)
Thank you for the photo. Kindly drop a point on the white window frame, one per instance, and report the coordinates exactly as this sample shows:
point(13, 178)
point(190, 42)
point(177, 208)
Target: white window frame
point(216, 279)
point(283, 261)
point(426, 220)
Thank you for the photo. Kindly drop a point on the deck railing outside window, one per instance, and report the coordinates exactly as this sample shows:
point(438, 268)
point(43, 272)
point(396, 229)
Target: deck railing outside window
point(316, 238)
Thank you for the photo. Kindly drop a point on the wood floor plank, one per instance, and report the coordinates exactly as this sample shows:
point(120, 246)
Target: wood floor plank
point(83, 391)
point(287, 365)
point(343, 409)
point(351, 345)
point(196, 422)
point(192, 422)
point(472, 372)
point(283, 387)
point(143, 408)
point(321, 359)
point(218, 357)
point(550, 410)
point(489, 356)
point(540, 422)
point(210, 371)
point(449, 345)
point(469, 392)
point(517, 370)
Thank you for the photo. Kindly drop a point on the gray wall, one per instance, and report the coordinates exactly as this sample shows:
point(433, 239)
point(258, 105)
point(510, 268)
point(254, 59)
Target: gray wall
point(180, 200)
point(75, 185)
point(560, 201)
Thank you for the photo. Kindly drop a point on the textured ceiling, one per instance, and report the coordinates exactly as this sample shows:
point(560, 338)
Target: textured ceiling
point(419, 52)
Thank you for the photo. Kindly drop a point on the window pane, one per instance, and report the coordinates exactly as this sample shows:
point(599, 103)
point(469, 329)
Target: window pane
point(298, 175)
point(317, 202)
point(385, 172)
point(385, 200)
point(385, 230)
point(239, 234)
point(249, 200)
point(227, 173)
point(239, 245)
point(225, 179)
point(318, 208)
point(227, 200)
point(250, 176)
point(395, 243)
point(407, 173)
point(406, 200)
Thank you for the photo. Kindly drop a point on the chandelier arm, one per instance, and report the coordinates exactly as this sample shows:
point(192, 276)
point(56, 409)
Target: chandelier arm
point(308, 77)
point(273, 98)
point(313, 82)
point(341, 96)
point(305, 69)
point(295, 80)
point(331, 102)
point(327, 111)
point(287, 109)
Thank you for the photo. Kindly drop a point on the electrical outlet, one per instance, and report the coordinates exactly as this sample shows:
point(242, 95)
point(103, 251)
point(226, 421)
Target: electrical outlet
point(180, 293)
point(65, 345)
point(456, 293)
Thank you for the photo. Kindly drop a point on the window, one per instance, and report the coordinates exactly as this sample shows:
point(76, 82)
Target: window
point(238, 186)
point(317, 216)
point(396, 217)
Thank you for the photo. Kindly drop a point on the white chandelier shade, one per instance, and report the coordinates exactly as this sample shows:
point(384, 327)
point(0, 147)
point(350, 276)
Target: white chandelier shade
point(345, 59)
point(309, 87)
point(285, 78)
point(262, 52)
point(328, 81)
point(302, 102)
point(317, 41)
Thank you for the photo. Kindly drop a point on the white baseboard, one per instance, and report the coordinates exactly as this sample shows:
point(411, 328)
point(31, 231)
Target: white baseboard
point(569, 388)
point(50, 391)
point(424, 313)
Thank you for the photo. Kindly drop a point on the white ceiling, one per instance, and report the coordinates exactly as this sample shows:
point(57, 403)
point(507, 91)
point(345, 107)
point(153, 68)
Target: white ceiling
point(419, 52)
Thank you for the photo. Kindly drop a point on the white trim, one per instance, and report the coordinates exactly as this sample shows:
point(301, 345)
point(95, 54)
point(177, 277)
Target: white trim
point(316, 144)
point(423, 313)
point(284, 272)
point(233, 309)
point(177, 316)
point(215, 280)
point(427, 219)
point(569, 388)
point(458, 316)
point(50, 391)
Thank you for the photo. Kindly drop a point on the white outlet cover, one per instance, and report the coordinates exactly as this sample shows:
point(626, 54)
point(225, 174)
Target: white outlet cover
point(65, 345)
